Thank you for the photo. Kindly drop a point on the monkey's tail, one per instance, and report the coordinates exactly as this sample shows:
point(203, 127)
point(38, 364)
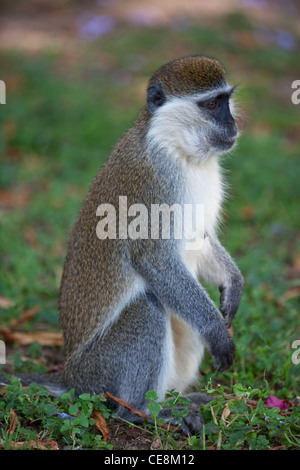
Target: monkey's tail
point(53, 382)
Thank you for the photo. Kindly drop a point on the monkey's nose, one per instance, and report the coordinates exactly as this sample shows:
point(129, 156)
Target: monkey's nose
point(232, 129)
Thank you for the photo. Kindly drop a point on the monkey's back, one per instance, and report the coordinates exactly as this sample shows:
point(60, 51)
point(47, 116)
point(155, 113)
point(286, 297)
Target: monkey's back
point(98, 277)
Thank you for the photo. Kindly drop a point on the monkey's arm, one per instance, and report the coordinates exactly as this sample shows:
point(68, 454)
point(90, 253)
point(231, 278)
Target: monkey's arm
point(177, 290)
point(217, 266)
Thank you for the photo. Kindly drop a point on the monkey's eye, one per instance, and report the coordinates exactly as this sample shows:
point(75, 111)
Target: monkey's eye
point(212, 104)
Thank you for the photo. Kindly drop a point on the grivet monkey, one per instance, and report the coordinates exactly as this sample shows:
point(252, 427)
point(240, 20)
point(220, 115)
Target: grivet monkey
point(133, 313)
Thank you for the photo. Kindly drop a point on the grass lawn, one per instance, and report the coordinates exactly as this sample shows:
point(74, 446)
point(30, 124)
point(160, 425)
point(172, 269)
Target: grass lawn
point(60, 122)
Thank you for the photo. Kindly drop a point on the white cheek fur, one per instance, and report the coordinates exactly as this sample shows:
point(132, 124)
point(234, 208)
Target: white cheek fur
point(179, 126)
point(176, 126)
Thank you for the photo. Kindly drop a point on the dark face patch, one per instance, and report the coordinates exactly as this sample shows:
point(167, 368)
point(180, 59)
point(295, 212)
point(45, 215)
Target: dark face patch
point(189, 75)
point(222, 135)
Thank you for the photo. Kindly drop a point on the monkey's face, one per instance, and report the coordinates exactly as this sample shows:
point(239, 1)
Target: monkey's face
point(198, 126)
point(220, 124)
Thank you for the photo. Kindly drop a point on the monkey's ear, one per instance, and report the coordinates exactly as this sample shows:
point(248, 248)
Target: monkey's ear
point(155, 97)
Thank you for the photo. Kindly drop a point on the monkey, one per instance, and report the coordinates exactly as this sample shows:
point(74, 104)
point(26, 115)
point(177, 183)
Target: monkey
point(133, 311)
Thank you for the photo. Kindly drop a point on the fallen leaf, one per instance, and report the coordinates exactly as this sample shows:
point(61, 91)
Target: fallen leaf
point(291, 293)
point(52, 444)
point(100, 423)
point(156, 444)
point(12, 422)
point(46, 338)
point(26, 315)
point(126, 405)
point(273, 401)
point(14, 198)
point(5, 302)
point(135, 411)
point(38, 444)
point(251, 403)
point(225, 413)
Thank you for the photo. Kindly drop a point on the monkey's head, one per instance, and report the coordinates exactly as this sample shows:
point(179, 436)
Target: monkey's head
point(191, 108)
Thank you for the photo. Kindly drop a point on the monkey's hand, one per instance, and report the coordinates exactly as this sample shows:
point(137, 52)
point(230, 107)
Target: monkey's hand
point(180, 292)
point(230, 298)
point(222, 349)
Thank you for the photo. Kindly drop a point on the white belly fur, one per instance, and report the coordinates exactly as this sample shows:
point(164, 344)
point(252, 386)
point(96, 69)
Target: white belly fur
point(204, 187)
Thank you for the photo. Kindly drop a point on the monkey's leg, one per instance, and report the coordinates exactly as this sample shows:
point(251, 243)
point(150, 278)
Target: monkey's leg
point(188, 354)
point(134, 356)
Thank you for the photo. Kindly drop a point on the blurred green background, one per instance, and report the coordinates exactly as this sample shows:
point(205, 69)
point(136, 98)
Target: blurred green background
point(76, 75)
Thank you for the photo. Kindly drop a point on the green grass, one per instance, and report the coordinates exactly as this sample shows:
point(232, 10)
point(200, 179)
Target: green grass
point(58, 127)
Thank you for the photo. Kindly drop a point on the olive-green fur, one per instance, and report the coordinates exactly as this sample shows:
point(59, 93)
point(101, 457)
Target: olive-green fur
point(189, 75)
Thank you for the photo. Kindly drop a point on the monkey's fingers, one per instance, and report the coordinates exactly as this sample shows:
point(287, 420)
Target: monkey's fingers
point(223, 352)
